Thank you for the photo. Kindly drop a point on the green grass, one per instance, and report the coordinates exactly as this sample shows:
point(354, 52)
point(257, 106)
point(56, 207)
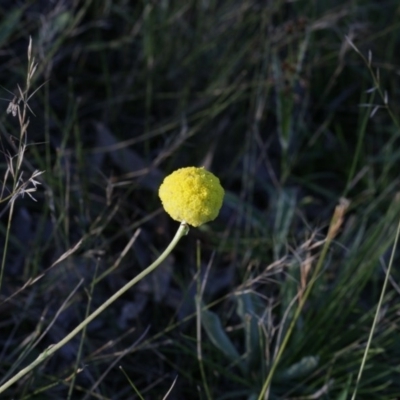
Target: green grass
point(275, 101)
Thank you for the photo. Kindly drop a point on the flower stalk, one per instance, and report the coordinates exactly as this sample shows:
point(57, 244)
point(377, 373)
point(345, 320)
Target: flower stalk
point(182, 231)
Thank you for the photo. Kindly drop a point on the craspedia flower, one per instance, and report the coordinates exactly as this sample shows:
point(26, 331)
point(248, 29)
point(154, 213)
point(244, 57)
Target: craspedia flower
point(192, 195)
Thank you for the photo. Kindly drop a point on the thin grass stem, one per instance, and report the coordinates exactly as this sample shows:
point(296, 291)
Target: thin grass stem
point(333, 228)
point(376, 317)
point(198, 324)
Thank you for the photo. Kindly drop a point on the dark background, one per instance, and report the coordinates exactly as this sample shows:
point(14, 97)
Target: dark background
point(279, 100)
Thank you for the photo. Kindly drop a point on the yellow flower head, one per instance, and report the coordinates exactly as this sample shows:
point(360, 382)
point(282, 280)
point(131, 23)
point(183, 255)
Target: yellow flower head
point(192, 195)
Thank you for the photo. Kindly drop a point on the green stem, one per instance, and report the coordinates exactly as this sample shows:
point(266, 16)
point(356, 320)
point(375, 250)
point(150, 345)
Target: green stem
point(7, 239)
point(182, 231)
point(333, 227)
point(293, 322)
point(377, 313)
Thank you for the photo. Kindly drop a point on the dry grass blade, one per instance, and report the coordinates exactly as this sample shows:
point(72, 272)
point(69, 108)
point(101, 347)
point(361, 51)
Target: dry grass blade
point(69, 252)
point(170, 389)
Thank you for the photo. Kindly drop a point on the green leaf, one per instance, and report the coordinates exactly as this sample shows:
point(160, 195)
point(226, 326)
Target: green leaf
point(284, 105)
point(217, 335)
point(9, 24)
point(247, 310)
point(284, 206)
point(344, 394)
point(300, 369)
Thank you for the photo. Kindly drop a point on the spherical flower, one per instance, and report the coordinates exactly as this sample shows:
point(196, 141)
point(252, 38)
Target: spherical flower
point(192, 195)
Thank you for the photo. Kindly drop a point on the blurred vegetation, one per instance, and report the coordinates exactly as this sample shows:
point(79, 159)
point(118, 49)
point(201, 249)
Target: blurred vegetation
point(293, 104)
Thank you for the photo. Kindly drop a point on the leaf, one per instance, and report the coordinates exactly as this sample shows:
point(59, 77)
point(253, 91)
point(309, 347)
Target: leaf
point(247, 311)
point(9, 24)
point(284, 105)
point(284, 207)
point(129, 161)
point(217, 335)
point(344, 394)
point(300, 369)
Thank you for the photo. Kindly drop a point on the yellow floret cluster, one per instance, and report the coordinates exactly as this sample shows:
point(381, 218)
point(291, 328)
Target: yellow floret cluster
point(192, 195)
